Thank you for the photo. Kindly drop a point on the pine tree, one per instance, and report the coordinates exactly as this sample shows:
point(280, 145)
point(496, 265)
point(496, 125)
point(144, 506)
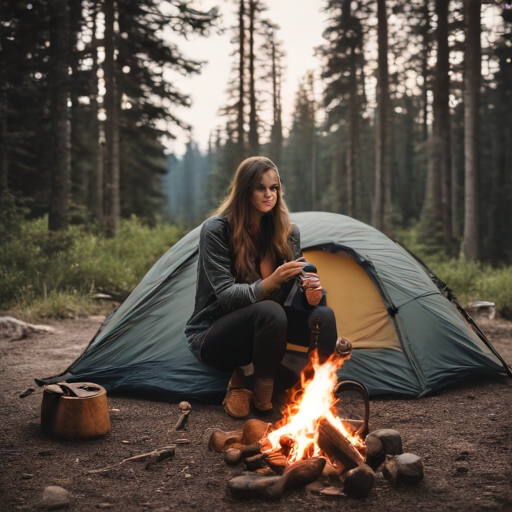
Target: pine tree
point(60, 143)
point(344, 64)
point(471, 241)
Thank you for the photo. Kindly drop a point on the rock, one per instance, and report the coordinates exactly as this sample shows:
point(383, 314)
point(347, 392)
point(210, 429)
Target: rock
point(55, 497)
point(359, 482)
point(375, 454)
point(27, 476)
point(407, 468)
point(14, 329)
point(391, 440)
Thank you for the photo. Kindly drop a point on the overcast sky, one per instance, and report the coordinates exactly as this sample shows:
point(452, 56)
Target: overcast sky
point(301, 24)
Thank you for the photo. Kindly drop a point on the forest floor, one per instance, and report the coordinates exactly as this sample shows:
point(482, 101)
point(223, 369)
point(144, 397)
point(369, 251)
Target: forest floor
point(463, 434)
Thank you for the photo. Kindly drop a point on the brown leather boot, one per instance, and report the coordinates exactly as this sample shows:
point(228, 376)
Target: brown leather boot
point(262, 394)
point(238, 400)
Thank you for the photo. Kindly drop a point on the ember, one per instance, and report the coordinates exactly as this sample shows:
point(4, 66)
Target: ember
point(297, 433)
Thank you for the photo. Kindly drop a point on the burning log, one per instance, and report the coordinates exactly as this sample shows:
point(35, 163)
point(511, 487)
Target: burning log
point(359, 482)
point(271, 488)
point(277, 461)
point(335, 445)
point(234, 456)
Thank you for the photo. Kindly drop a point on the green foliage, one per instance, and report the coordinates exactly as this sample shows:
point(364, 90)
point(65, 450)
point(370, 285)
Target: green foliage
point(58, 305)
point(469, 280)
point(40, 264)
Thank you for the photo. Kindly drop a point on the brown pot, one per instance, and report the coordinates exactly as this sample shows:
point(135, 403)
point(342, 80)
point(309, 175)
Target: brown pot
point(75, 411)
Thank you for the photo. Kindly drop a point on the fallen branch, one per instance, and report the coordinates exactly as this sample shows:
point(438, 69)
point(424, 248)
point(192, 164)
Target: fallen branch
point(150, 458)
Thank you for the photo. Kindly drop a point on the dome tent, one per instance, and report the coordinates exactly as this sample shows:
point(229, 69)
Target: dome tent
point(407, 337)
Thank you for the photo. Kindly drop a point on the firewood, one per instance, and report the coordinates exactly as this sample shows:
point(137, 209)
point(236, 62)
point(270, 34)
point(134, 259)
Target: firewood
point(219, 440)
point(150, 458)
point(335, 445)
point(255, 462)
point(286, 443)
point(359, 482)
point(234, 456)
point(277, 461)
point(299, 474)
point(253, 430)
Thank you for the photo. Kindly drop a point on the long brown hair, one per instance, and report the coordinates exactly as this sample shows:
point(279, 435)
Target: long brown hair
point(275, 226)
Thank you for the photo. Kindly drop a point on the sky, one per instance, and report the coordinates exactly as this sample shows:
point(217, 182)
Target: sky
point(301, 23)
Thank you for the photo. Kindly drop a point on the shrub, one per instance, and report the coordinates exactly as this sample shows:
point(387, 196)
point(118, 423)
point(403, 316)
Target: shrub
point(38, 263)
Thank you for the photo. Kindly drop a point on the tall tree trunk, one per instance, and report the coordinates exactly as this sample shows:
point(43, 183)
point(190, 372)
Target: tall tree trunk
point(276, 135)
point(95, 183)
point(311, 79)
point(471, 242)
point(455, 181)
point(111, 169)
point(58, 210)
point(352, 135)
point(79, 176)
point(4, 170)
point(383, 163)
point(437, 205)
point(241, 88)
point(443, 132)
point(424, 66)
point(253, 120)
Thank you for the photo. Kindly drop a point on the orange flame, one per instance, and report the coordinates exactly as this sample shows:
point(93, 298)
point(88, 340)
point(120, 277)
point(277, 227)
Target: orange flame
point(313, 401)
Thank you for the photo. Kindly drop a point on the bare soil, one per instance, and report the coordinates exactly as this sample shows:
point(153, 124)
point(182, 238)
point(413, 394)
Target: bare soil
point(463, 434)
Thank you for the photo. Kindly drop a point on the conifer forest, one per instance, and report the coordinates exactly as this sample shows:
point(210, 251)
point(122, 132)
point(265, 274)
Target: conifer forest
point(406, 124)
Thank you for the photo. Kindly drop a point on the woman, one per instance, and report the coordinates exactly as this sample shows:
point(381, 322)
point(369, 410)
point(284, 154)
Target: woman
point(248, 252)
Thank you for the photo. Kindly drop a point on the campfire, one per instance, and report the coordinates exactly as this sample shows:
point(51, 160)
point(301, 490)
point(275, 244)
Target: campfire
point(312, 445)
point(312, 408)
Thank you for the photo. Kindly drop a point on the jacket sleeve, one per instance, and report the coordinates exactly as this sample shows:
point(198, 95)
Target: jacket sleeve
point(295, 241)
point(214, 252)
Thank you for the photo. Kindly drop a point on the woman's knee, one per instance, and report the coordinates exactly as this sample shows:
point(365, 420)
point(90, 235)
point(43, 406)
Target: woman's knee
point(270, 314)
point(326, 315)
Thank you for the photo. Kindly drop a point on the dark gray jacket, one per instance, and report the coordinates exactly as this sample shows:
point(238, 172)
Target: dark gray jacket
point(217, 292)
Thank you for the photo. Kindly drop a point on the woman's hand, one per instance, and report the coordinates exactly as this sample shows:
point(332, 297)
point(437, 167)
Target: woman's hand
point(282, 274)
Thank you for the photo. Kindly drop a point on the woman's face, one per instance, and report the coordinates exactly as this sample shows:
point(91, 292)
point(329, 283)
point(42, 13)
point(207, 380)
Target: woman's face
point(264, 196)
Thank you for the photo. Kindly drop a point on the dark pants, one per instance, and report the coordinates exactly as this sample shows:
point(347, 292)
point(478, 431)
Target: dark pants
point(259, 333)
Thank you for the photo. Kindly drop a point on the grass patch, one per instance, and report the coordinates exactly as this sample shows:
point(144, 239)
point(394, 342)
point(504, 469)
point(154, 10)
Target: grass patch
point(53, 274)
point(469, 280)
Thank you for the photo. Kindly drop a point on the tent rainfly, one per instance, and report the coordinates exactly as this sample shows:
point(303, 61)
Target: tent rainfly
point(409, 334)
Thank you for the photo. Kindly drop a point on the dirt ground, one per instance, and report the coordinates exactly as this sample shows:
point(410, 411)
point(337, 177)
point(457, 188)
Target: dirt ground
point(463, 434)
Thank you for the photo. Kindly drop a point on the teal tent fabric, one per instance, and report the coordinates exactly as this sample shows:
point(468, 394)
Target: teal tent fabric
point(142, 348)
